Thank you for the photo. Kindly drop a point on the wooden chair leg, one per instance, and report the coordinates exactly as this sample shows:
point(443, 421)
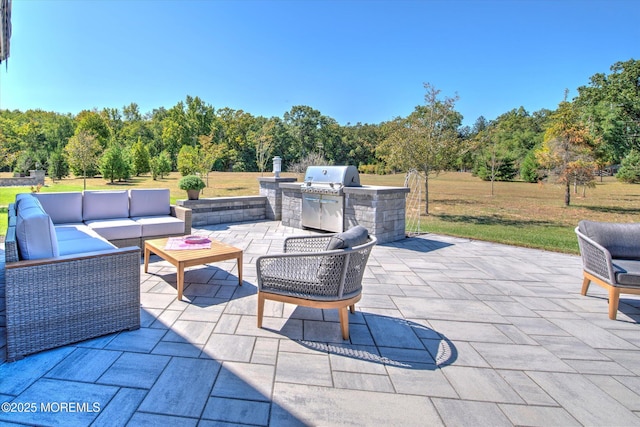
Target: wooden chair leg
point(352, 307)
point(614, 300)
point(344, 322)
point(260, 308)
point(585, 285)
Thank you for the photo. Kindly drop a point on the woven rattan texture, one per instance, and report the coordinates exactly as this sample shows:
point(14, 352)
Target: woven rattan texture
point(595, 260)
point(50, 305)
point(307, 271)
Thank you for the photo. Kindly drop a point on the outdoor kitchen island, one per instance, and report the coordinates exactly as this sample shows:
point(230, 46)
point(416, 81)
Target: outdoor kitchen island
point(379, 209)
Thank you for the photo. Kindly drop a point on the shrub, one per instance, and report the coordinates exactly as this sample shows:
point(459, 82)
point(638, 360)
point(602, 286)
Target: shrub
point(191, 182)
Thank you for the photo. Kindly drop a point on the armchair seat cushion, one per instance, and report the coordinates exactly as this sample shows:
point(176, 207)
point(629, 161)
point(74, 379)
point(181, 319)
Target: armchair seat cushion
point(116, 228)
point(627, 272)
point(312, 290)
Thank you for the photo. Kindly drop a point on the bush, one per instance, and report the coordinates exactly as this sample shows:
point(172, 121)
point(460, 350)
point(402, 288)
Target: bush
point(191, 182)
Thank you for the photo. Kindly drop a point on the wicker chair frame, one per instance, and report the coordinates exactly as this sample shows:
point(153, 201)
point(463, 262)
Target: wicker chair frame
point(598, 268)
point(306, 274)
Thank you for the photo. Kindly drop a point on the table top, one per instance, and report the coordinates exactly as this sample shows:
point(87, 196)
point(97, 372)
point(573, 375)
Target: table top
point(218, 250)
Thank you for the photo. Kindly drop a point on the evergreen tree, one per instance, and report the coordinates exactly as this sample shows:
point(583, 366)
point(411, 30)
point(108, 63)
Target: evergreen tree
point(139, 158)
point(114, 164)
point(58, 166)
point(630, 168)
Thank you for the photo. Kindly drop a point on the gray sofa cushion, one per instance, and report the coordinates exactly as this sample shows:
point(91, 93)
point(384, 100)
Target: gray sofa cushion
point(63, 208)
point(620, 239)
point(116, 228)
point(105, 205)
point(160, 225)
point(149, 202)
point(76, 239)
point(84, 244)
point(75, 231)
point(355, 236)
point(35, 232)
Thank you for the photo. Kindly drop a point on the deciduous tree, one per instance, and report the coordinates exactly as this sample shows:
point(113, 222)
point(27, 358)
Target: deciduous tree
point(264, 141)
point(188, 161)
point(160, 165)
point(567, 146)
point(427, 140)
point(82, 153)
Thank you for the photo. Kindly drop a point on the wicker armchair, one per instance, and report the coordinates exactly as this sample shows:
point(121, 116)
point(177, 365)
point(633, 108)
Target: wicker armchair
point(310, 274)
point(610, 258)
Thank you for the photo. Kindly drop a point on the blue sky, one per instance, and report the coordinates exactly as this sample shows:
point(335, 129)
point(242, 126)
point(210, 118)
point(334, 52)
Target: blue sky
point(355, 61)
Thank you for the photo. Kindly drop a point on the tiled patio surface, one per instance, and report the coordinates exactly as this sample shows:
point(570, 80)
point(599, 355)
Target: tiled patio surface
point(449, 332)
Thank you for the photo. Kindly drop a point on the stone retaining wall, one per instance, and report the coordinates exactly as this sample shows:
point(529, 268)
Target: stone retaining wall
point(35, 178)
point(225, 209)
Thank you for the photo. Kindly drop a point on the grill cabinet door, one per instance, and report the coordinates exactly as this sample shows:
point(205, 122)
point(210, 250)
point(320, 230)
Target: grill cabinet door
point(311, 211)
point(331, 213)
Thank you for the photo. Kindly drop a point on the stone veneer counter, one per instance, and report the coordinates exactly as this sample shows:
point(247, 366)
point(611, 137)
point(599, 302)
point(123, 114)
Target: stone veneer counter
point(380, 209)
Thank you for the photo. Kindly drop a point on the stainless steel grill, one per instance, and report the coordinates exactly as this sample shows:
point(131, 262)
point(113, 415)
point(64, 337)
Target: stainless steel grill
point(323, 196)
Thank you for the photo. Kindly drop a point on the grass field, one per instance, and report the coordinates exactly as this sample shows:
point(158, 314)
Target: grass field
point(522, 214)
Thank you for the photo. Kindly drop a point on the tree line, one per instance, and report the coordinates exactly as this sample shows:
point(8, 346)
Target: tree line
point(598, 128)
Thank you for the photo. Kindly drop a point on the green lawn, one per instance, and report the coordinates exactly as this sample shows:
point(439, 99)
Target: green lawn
point(518, 213)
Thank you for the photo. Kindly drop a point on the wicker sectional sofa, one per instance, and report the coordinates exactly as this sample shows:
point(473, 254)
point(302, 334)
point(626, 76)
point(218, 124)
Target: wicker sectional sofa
point(73, 263)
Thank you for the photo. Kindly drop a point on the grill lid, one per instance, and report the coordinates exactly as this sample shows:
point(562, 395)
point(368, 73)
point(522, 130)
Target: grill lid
point(346, 176)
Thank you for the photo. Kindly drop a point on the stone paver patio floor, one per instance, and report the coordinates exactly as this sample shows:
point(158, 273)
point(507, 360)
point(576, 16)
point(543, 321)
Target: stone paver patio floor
point(449, 332)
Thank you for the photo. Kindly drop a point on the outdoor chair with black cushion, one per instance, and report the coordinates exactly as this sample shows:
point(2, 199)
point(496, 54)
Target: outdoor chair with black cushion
point(320, 271)
point(611, 258)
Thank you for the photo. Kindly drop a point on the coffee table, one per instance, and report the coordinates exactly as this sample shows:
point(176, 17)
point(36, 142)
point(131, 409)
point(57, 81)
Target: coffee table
point(189, 257)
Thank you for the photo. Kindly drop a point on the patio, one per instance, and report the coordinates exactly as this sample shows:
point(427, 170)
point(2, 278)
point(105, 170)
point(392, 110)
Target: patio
point(449, 332)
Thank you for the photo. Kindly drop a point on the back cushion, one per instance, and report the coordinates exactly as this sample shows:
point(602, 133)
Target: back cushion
point(149, 202)
point(355, 236)
point(622, 240)
point(35, 232)
point(105, 205)
point(63, 208)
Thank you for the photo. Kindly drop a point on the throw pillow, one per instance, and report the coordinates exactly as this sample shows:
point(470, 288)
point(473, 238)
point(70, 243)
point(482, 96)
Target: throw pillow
point(355, 236)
